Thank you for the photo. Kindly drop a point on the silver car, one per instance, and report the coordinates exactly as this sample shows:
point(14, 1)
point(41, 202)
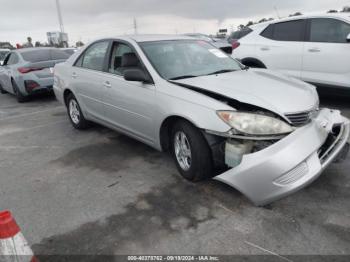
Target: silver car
point(29, 71)
point(263, 130)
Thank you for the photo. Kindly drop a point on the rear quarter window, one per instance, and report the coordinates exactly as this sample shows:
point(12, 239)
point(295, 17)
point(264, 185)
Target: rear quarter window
point(286, 31)
point(44, 55)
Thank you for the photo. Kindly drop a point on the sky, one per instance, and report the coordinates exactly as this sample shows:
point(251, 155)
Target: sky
point(86, 20)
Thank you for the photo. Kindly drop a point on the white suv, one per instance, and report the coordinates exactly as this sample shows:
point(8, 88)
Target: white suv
point(315, 48)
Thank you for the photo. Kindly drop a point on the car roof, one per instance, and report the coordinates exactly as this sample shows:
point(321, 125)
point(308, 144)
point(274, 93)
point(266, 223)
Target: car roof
point(152, 37)
point(345, 16)
point(24, 50)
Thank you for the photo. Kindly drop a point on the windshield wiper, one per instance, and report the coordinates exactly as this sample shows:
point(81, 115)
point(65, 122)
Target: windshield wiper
point(182, 77)
point(222, 71)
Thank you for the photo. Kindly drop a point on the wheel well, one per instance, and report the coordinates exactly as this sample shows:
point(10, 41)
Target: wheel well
point(165, 130)
point(66, 93)
point(253, 62)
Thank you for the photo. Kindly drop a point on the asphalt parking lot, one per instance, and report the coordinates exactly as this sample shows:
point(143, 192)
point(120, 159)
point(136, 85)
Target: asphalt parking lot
point(100, 192)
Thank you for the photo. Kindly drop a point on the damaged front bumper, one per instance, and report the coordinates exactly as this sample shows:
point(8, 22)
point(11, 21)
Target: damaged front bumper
point(290, 163)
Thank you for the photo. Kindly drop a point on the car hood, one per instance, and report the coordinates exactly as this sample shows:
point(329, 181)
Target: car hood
point(262, 88)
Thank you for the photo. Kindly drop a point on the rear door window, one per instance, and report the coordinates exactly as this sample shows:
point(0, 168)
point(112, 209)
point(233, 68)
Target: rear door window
point(44, 55)
point(94, 56)
point(328, 30)
point(286, 31)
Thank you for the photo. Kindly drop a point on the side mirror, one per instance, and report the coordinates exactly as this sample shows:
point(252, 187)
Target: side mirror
point(136, 75)
point(348, 38)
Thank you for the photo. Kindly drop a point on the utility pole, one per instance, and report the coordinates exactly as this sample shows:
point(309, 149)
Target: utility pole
point(278, 15)
point(135, 26)
point(59, 15)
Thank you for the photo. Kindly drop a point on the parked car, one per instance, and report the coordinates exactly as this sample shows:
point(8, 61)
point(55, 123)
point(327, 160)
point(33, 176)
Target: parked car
point(29, 71)
point(179, 94)
point(69, 50)
point(3, 53)
point(217, 42)
point(236, 35)
point(313, 48)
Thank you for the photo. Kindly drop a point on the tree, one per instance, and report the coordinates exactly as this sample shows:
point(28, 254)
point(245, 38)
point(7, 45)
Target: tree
point(295, 14)
point(262, 20)
point(332, 11)
point(240, 27)
point(250, 23)
point(79, 44)
point(346, 9)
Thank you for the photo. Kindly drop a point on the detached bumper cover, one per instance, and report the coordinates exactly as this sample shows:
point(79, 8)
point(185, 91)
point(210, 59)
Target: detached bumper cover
point(291, 163)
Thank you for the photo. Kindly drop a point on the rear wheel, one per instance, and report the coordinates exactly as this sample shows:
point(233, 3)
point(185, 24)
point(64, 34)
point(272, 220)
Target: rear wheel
point(2, 91)
point(20, 98)
point(191, 152)
point(75, 114)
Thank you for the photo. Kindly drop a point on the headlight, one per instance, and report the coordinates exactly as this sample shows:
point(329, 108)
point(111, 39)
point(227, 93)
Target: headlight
point(254, 124)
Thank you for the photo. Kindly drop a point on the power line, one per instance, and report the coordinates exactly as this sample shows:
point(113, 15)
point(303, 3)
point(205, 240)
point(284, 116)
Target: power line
point(135, 26)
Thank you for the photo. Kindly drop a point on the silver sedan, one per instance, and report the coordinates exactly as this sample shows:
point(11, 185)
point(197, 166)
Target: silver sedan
point(264, 131)
point(29, 71)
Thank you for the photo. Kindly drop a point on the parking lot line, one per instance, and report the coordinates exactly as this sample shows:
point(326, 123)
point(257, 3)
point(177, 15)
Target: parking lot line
point(32, 113)
point(267, 251)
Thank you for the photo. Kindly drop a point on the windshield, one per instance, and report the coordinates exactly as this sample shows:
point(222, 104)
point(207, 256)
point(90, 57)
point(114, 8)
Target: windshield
point(186, 58)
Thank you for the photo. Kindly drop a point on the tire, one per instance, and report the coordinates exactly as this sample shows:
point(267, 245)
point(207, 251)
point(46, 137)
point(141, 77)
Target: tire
point(2, 91)
point(75, 114)
point(20, 98)
point(253, 63)
point(195, 165)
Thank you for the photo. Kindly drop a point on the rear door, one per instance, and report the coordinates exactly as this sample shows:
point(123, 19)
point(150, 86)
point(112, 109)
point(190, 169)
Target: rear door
point(327, 52)
point(129, 105)
point(6, 71)
point(88, 77)
point(281, 46)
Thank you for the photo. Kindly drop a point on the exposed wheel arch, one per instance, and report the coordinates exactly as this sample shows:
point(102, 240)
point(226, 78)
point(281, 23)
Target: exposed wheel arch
point(165, 130)
point(253, 62)
point(66, 94)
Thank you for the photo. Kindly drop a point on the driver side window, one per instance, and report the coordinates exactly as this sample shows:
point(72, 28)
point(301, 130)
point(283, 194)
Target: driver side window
point(122, 57)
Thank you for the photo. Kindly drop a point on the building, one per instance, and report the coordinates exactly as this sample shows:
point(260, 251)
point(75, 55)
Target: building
point(57, 38)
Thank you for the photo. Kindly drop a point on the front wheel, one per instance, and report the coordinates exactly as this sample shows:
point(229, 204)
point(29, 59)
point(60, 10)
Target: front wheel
point(75, 114)
point(191, 152)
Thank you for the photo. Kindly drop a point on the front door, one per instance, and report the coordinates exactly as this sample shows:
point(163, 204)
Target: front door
point(327, 52)
point(128, 105)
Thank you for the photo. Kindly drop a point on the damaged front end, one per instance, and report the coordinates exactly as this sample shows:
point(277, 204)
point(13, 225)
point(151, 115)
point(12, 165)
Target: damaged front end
point(229, 147)
point(268, 167)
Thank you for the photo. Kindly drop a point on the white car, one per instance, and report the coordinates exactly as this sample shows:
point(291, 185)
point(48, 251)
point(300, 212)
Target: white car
point(315, 48)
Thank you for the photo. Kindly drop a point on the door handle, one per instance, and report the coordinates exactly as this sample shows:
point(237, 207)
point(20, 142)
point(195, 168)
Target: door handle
point(265, 48)
point(314, 50)
point(107, 84)
point(74, 75)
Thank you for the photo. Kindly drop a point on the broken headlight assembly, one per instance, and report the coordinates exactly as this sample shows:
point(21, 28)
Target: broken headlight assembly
point(252, 124)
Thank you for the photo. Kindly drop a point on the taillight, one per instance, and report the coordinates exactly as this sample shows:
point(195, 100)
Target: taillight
point(25, 70)
point(30, 85)
point(235, 45)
